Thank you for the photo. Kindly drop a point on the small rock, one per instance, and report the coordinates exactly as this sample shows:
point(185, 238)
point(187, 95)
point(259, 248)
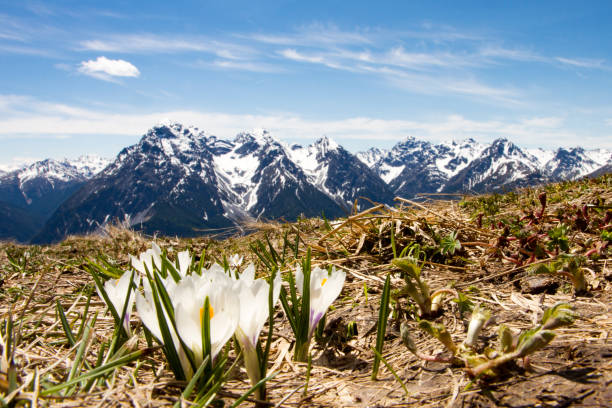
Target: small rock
point(539, 284)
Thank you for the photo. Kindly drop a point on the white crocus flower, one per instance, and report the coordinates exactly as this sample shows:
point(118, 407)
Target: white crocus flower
point(189, 297)
point(148, 314)
point(216, 275)
point(254, 313)
point(235, 261)
point(117, 291)
point(184, 261)
point(324, 289)
point(149, 258)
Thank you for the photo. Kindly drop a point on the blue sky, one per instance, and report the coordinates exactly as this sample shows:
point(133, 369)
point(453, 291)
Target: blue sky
point(91, 77)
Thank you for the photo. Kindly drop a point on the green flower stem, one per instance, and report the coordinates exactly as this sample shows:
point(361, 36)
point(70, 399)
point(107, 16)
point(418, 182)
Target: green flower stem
point(501, 360)
point(301, 350)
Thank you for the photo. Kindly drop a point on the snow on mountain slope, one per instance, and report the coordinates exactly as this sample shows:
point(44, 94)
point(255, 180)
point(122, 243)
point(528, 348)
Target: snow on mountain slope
point(502, 165)
point(312, 160)
point(166, 183)
point(339, 174)
point(455, 156)
point(543, 156)
point(599, 156)
point(568, 164)
point(372, 155)
point(237, 168)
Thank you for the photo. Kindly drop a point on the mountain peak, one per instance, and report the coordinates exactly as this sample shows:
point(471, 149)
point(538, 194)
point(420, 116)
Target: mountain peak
point(326, 144)
point(259, 135)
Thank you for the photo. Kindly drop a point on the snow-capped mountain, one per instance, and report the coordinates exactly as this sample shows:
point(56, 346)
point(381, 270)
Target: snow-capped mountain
point(502, 165)
point(36, 190)
point(166, 182)
point(41, 186)
point(340, 174)
point(372, 155)
point(414, 166)
point(182, 181)
point(567, 164)
point(258, 179)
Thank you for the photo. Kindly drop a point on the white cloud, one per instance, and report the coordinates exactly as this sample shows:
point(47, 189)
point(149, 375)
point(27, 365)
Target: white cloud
point(18, 162)
point(292, 54)
point(157, 44)
point(582, 63)
point(105, 69)
point(243, 66)
point(23, 116)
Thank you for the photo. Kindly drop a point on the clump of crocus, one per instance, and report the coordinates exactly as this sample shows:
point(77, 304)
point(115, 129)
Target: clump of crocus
point(318, 289)
point(257, 300)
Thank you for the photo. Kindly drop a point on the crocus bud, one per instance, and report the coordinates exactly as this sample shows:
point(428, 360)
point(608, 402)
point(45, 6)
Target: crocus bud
point(558, 315)
point(505, 339)
point(535, 342)
point(479, 317)
point(407, 339)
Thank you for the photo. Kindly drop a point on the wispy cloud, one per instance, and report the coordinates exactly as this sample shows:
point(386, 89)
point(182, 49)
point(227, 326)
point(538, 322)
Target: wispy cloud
point(292, 54)
point(50, 119)
point(108, 69)
point(18, 162)
point(498, 53)
point(315, 34)
point(243, 66)
point(582, 62)
point(157, 44)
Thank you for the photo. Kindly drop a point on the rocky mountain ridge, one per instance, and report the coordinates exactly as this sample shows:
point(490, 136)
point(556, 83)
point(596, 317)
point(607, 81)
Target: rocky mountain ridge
point(183, 181)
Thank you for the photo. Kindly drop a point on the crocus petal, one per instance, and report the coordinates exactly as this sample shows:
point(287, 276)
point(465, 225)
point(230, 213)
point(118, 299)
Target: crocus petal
point(299, 280)
point(156, 255)
point(146, 311)
point(184, 260)
point(324, 289)
point(235, 261)
point(189, 296)
point(117, 291)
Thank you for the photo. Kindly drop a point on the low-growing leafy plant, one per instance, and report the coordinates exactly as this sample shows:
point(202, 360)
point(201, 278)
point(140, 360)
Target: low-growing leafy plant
point(450, 244)
point(488, 362)
point(428, 303)
point(566, 266)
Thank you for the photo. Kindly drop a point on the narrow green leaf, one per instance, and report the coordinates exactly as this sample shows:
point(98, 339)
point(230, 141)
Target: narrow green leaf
point(85, 314)
point(383, 313)
point(381, 358)
point(393, 240)
point(65, 324)
point(205, 322)
point(80, 353)
point(193, 382)
point(169, 346)
point(253, 389)
point(288, 310)
point(201, 263)
point(97, 372)
point(272, 251)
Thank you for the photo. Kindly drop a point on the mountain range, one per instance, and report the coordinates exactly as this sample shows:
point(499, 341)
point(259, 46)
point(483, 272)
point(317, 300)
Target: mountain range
point(182, 181)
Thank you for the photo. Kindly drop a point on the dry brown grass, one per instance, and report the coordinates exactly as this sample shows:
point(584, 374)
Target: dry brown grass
point(574, 370)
